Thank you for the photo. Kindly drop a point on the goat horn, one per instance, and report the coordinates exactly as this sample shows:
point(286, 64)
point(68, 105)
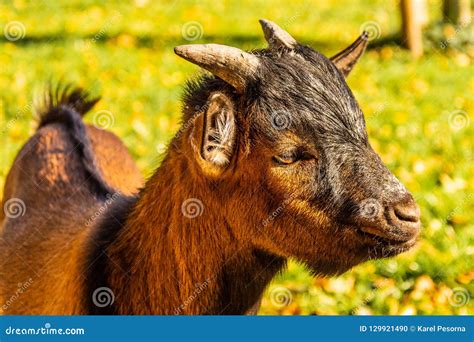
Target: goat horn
point(231, 64)
point(346, 59)
point(276, 36)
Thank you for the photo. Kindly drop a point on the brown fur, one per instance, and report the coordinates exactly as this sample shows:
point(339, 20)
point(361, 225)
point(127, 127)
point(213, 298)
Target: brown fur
point(264, 193)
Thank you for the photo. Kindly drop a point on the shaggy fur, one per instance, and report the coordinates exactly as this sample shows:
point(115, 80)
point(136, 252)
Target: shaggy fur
point(67, 106)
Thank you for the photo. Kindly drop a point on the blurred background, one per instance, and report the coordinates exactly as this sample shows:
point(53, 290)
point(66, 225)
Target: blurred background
point(418, 103)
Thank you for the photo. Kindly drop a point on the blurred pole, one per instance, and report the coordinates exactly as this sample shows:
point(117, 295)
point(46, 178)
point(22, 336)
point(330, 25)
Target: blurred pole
point(414, 17)
point(457, 11)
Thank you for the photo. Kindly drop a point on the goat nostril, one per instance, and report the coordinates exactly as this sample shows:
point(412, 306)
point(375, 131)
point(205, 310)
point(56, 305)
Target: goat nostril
point(409, 212)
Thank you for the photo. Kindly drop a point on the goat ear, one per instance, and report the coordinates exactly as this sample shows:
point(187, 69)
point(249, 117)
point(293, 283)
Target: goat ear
point(347, 58)
point(218, 130)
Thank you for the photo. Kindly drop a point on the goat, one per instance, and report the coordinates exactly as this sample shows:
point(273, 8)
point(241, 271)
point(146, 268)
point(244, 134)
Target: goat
point(272, 162)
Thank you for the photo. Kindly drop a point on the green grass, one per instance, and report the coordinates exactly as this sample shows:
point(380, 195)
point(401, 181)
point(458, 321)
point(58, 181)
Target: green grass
point(124, 51)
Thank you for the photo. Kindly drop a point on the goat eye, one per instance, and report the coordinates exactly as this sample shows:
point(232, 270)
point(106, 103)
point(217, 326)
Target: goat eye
point(292, 157)
point(285, 159)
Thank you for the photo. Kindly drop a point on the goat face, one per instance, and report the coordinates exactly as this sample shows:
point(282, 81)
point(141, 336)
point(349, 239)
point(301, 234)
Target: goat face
point(292, 138)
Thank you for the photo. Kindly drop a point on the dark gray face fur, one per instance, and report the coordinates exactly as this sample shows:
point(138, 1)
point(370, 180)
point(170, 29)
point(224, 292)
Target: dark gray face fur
point(306, 108)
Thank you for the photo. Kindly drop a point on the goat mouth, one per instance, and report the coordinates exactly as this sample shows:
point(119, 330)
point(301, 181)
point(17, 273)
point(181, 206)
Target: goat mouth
point(387, 239)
